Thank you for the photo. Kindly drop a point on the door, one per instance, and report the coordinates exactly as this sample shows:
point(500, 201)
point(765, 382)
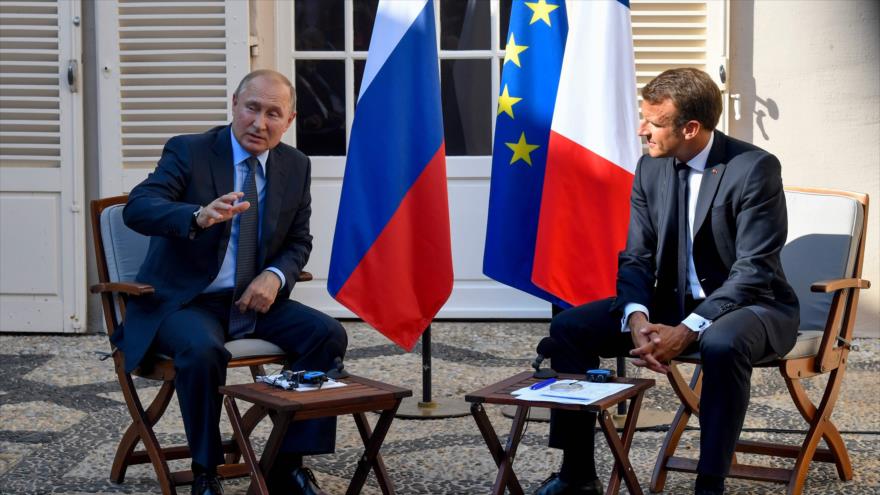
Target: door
point(42, 247)
point(164, 68)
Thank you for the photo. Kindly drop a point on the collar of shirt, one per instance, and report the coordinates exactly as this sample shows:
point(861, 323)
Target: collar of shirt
point(239, 154)
point(698, 162)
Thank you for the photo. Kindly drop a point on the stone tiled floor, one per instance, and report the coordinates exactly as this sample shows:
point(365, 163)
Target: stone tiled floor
point(61, 415)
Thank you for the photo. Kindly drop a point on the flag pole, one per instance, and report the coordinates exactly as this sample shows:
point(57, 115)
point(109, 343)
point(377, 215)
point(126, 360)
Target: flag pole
point(428, 407)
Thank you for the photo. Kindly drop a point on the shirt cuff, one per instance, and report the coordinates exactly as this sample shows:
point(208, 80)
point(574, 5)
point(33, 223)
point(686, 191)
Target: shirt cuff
point(629, 309)
point(696, 323)
point(280, 275)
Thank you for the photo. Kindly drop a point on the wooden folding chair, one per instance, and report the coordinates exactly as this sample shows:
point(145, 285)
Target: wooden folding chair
point(120, 252)
point(823, 262)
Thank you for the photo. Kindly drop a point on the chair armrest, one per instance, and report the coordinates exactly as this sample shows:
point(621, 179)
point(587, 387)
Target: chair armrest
point(132, 288)
point(838, 284)
point(305, 277)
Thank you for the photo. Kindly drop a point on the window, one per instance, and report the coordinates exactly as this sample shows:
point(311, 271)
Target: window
point(330, 43)
point(323, 45)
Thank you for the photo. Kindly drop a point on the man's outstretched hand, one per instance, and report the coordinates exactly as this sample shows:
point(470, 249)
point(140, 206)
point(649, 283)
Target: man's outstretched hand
point(222, 209)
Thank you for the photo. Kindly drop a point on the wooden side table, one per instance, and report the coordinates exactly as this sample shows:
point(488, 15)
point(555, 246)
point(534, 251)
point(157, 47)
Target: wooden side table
point(284, 406)
point(499, 393)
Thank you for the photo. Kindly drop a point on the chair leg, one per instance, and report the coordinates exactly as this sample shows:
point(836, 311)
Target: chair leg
point(690, 396)
point(143, 431)
point(820, 427)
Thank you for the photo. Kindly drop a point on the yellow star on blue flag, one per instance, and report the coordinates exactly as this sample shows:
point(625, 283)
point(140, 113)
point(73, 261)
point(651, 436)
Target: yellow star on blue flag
point(541, 11)
point(522, 150)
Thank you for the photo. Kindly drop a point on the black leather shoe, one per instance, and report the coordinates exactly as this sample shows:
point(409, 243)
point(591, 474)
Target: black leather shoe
point(702, 491)
point(206, 484)
point(555, 486)
point(305, 482)
point(300, 481)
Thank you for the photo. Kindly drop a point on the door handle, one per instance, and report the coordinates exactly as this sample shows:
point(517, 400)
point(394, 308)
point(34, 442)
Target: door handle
point(72, 72)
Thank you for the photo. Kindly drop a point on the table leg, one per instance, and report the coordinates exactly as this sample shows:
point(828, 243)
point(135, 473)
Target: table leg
point(242, 437)
point(620, 448)
point(377, 463)
point(370, 457)
point(503, 458)
point(281, 421)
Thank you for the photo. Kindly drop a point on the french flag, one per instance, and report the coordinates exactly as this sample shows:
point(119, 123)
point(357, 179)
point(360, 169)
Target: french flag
point(391, 262)
point(574, 115)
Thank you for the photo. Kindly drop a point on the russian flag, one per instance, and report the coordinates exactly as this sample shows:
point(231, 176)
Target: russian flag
point(565, 150)
point(391, 262)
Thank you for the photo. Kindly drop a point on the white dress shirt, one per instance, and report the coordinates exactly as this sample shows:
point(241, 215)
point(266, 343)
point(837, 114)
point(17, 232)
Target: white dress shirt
point(225, 279)
point(697, 165)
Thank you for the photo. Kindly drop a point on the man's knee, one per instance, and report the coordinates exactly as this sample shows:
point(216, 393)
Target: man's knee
point(334, 333)
point(720, 349)
point(734, 338)
point(201, 353)
point(564, 324)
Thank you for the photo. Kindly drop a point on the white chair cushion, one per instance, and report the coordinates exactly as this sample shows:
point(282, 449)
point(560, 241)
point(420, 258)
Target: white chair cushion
point(807, 344)
point(248, 348)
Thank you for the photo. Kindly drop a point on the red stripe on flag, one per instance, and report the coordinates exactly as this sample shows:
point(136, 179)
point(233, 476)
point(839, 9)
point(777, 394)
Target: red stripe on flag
point(406, 276)
point(583, 223)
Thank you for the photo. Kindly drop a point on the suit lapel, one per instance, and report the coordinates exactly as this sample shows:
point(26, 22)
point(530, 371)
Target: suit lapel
point(668, 219)
point(276, 178)
point(711, 179)
point(223, 175)
point(222, 168)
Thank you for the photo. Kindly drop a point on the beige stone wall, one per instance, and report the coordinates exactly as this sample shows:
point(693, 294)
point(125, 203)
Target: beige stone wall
point(809, 77)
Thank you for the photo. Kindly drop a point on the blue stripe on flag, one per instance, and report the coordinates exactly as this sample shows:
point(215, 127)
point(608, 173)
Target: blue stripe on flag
point(386, 154)
point(515, 191)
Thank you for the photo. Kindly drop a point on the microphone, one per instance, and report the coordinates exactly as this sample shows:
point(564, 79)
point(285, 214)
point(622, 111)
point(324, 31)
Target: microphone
point(338, 371)
point(545, 349)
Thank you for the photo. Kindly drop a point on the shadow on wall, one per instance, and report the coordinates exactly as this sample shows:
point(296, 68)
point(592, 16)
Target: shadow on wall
point(753, 109)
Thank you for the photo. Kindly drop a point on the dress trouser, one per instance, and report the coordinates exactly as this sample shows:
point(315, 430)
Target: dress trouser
point(729, 348)
point(194, 337)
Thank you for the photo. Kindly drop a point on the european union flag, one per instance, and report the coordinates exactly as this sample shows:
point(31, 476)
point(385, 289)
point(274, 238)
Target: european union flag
point(529, 80)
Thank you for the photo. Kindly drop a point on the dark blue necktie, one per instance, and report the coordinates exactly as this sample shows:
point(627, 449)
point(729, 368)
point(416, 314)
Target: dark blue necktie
point(241, 324)
point(682, 169)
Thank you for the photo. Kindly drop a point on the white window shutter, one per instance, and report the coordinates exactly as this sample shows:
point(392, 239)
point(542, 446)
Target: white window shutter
point(42, 287)
point(165, 68)
point(679, 33)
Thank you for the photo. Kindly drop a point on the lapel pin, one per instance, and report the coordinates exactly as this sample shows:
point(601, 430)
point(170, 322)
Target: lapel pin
point(714, 172)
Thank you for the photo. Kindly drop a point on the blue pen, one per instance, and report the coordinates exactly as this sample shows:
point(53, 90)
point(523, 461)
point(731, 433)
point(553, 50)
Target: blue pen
point(542, 384)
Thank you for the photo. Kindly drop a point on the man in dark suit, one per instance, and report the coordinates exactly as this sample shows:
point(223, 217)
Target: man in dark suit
point(228, 215)
point(701, 272)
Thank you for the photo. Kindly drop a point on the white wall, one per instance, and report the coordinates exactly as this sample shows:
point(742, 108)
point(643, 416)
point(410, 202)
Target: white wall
point(809, 76)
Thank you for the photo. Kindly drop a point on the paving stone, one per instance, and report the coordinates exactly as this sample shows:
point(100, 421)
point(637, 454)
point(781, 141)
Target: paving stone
point(61, 417)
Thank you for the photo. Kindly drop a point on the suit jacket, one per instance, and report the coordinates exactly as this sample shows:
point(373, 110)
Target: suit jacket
point(193, 171)
point(740, 227)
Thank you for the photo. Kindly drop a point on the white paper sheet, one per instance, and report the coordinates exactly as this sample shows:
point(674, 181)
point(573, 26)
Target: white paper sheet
point(588, 393)
point(279, 381)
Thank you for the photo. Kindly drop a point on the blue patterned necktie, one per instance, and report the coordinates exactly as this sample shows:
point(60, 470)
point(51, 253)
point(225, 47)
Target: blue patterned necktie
point(241, 324)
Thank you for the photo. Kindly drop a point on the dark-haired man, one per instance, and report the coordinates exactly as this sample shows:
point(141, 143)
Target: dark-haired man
point(701, 272)
point(228, 215)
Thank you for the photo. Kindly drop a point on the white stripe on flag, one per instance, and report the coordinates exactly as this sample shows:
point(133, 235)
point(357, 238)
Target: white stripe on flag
point(393, 19)
point(596, 101)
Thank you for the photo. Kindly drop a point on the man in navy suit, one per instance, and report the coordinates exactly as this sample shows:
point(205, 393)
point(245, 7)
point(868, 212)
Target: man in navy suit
point(228, 216)
point(700, 273)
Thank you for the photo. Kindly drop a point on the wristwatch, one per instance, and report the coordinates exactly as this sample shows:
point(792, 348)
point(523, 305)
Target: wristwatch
point(194, 227)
